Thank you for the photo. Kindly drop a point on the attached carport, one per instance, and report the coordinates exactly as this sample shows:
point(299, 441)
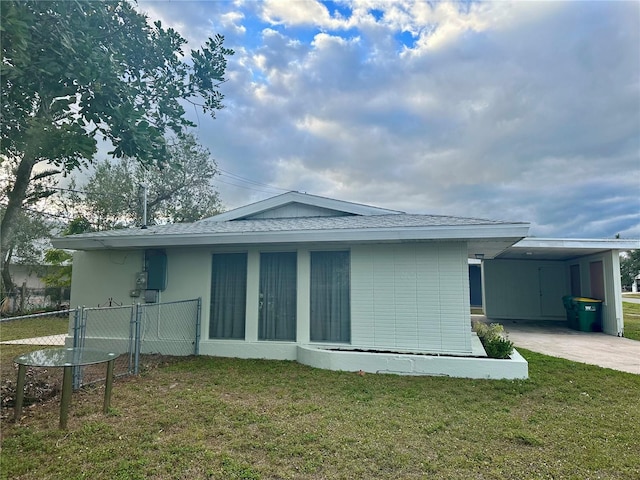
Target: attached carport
point(528, 280)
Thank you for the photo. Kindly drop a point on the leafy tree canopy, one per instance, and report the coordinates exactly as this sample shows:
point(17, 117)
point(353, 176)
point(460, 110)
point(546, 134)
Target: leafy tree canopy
point(179, 192)
point(73, 72)
point(60, 276)
point(629, 266)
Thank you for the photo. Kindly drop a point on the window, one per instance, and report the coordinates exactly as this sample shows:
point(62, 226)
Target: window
point(278, 303)
point(228, 295)
point(330, 300)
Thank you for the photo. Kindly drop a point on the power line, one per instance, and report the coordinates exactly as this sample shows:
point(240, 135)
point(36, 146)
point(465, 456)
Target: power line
point(248, 180)
point(244, 186)
point(47, 214)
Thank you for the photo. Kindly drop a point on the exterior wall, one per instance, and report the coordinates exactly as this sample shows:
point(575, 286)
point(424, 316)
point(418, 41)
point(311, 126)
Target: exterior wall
point(516, 367)
point(612, 319)
point(524, 289)
point(404, 297)
point(27, 274)
point(188, 275)
point(411, 297)
point(533, 290)
point(99, 275)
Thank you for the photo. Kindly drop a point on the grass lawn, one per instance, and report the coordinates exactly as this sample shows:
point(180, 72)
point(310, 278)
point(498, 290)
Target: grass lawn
point(631, 320)
point(203, 417)
point(31, 327)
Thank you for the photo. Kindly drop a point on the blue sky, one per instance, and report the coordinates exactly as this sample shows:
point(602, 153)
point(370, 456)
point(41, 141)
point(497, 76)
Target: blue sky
point(526, 111)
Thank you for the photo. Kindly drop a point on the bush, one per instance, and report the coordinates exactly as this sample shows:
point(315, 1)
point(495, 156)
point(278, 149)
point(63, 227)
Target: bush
point(494, 340)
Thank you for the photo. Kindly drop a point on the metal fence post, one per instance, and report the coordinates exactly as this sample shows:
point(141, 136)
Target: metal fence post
point(198, 320)
point(136, 368)
point(77, 314)
point(79, 325)
point(132, 343)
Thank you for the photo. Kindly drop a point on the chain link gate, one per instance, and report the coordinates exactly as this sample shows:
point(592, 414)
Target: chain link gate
point(169, 328)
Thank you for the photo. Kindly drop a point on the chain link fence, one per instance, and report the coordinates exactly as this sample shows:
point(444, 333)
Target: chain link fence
point(131, 331)
point(24, 334)
point(170, 328)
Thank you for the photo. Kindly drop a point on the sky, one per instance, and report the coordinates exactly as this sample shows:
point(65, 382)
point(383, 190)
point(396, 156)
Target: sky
point(518, 111)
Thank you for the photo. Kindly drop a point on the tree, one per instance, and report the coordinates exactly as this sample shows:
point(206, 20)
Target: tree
point(77, 71)
point(629, 266)
point(26, 246)
point(32, 229)
point(179, 192)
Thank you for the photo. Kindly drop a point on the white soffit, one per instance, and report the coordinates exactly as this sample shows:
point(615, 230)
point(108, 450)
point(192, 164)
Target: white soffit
point(564, 248)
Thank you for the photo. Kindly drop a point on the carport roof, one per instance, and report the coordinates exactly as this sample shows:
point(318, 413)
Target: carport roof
point(531, 248)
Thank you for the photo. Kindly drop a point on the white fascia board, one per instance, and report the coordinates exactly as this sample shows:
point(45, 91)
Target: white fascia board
point(511, 232)
point(303, 198)
point(577, 243)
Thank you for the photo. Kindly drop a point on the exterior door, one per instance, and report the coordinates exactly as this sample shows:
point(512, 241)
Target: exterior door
point(278, 304)
point(596, 274)
point(552, 283)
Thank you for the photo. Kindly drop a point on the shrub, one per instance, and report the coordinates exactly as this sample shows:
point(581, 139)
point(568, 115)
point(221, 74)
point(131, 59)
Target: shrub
point(494, 340)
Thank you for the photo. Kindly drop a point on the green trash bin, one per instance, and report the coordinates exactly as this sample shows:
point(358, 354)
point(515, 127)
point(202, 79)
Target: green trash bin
point(572, 312)
point(588, 314)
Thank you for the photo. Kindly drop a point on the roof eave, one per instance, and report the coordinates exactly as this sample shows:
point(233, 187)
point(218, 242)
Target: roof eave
point(587, 243)
point(512, 232)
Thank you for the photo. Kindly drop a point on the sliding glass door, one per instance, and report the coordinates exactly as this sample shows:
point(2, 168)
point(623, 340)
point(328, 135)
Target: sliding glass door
point(330, 300)
point(277, 307)
point(228, 296)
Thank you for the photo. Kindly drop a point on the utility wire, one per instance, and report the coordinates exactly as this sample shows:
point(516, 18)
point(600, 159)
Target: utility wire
point(248, 180)
point(244, 186)
point(47, 214)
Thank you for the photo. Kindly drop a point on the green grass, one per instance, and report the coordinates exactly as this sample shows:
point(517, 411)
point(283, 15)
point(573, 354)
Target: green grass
point(32, 327)
point(631, 320)
point(254, 419)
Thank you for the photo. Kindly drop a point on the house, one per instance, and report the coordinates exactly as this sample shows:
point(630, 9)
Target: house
point(328, 282)
point(30, 291)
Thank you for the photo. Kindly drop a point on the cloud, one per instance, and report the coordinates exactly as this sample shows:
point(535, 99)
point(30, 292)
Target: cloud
point(511, 110)
point(300, 12)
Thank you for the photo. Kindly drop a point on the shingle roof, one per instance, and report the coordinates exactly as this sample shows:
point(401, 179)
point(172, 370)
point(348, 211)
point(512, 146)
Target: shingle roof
point(298, 224)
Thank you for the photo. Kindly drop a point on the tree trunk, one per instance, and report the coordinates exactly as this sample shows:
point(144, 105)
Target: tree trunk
point(7, 281)
point(16, 198)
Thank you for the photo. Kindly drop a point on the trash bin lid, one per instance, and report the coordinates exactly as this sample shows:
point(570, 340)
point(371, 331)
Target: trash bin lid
point(584, 299)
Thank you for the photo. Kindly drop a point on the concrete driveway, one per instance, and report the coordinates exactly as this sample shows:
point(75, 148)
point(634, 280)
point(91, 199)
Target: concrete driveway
point(555, 339)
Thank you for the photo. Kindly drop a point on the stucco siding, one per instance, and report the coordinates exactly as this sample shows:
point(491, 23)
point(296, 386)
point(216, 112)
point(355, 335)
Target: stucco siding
point(188, 275)
point(100, 275)
point(405, 297)
point(410, 297)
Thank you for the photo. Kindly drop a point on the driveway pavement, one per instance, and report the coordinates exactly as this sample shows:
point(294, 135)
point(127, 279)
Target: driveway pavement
point(555, 339)
point(630, 299)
